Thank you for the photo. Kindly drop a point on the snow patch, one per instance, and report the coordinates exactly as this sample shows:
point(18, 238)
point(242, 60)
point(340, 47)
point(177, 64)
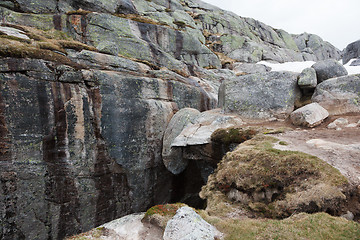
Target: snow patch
point(300, 66)
point(288, 66)
point(352, 69)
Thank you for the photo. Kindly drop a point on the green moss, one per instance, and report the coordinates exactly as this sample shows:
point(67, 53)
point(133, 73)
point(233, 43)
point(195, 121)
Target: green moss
point(300, 226)
point(159, 215)
point(283, 143)
point(232, 135)
point(164, 210)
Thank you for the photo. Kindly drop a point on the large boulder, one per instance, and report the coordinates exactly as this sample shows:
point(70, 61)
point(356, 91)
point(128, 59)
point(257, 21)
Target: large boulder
point(329, 69)
point(189, 127)
point(351, 51)
point(199, 132)
point(188, 225)
point(310, 115)
point(262, 95)
point(339, 95)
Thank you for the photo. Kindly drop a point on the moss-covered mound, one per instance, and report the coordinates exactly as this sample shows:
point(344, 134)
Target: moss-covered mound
point(272, 183)
point(159, 215)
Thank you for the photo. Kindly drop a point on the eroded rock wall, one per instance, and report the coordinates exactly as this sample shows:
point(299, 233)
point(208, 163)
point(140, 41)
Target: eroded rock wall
point(82, 147)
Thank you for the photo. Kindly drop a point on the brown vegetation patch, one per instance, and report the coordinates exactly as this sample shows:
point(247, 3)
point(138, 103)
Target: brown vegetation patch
point(47, 45)
point(274, 183)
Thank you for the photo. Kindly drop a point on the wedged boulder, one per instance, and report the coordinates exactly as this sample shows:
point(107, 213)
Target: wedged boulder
point(188, 225)
point(307, 79)
point(172, 157)
point(310, 115)
point(351, 51)
point(327, 69)
point(339, 95)
point(262, 95)
point(199, 132)
point(189, 127)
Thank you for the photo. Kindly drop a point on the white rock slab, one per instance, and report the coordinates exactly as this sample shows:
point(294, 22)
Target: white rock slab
point(188, 225)
point(310, 115)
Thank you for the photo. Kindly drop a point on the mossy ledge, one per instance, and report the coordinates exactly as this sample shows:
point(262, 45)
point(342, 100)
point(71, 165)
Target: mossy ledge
point(46, 45)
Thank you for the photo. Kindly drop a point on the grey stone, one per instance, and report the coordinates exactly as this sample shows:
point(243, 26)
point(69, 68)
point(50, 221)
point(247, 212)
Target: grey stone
point(188, 225)
point(307, 79)
point(249, 68)
point(316, 47)
point(348, 215)
point(106, 62)
point(262, 95)
point(327, 69)
point(339, 95)
point(310, 115)
point(172, 157)
point(356, 62)
point(36, 6)
point(341, 122)
point(158, 45)
point(351, 51)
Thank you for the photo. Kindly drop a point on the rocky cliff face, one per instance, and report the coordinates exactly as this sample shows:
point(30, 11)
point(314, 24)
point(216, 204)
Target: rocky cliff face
point(82, 122)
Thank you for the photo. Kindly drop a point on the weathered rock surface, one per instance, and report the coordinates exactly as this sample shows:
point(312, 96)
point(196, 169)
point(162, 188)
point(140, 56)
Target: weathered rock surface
point(307, 79)
point(339, 95)
point(351, 51)
point(310, 115)
point(82, 123)
point(328, 69)
point(263, 95)
point(153, 28)
point(187, 224)
point(313, 48)
point(75, 137)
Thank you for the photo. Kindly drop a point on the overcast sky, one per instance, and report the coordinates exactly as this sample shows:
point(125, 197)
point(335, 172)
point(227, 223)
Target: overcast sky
point(336, 21)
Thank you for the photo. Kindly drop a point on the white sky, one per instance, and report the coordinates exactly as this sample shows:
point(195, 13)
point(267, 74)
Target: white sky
point(336, 21)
